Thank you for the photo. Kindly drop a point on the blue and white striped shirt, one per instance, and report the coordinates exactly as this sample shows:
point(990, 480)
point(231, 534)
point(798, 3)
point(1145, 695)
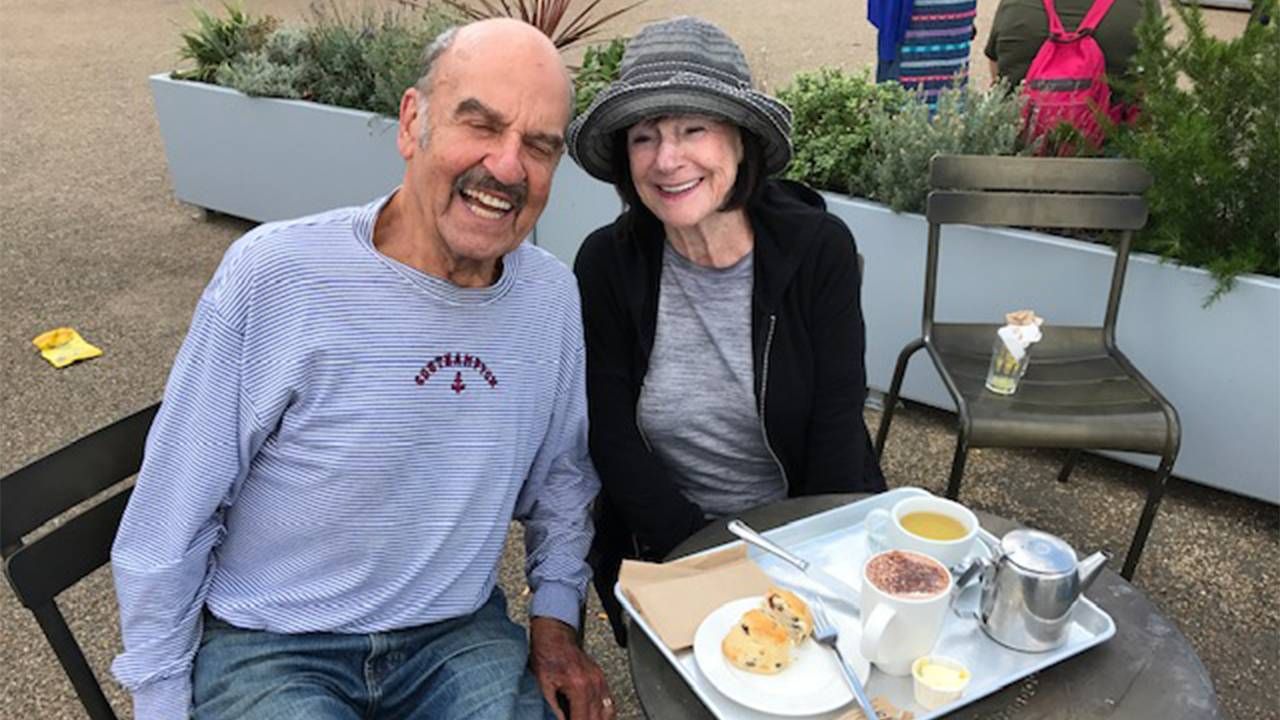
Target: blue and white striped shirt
point(342, 444)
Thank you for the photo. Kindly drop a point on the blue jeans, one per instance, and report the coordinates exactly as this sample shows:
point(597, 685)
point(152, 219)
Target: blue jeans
point(468, 667)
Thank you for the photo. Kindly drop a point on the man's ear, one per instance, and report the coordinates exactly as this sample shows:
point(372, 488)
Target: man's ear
point(410, 123)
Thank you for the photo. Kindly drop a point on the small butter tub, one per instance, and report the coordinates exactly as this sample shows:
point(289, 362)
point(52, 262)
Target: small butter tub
point(938, 680)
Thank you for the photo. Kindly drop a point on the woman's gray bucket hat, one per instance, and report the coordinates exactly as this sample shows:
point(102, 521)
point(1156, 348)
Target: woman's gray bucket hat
point(680, 66)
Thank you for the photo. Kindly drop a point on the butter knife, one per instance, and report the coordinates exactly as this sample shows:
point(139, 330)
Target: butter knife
point(839, 590)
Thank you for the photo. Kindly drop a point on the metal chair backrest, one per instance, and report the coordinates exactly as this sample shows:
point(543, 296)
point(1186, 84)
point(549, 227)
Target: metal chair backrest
point(1089, 194)
point(39, 570)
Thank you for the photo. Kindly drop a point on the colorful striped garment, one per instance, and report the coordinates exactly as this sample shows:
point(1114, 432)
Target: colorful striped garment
point(935, 48)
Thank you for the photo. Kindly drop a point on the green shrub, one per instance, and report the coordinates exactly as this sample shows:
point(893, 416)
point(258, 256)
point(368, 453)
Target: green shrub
point(215, 41)
point(831, 129)
point(395, 57)
point(274, 71)
point(362, 59)
point(1208, 133)
point(874, 141)
point(896, 168)
point(601, 65)
point(366, 59)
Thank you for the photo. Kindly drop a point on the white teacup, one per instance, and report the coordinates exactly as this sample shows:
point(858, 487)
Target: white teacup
point(902, 608)
point(886, 531)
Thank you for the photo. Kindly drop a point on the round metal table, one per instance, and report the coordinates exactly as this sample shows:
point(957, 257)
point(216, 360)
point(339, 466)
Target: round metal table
point(1148, 670)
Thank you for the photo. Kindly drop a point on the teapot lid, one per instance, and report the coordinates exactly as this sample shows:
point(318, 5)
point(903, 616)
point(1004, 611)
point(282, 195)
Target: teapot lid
point(1038, 551)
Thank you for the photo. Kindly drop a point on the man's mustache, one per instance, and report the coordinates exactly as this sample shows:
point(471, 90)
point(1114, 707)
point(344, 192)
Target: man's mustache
point(477, 178)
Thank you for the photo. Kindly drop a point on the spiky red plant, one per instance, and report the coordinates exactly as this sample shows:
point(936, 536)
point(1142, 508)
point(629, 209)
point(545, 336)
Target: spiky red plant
point(546, 15)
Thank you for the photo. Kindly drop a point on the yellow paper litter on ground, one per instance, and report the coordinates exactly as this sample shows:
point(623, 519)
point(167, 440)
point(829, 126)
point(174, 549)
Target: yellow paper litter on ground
point(63, 346)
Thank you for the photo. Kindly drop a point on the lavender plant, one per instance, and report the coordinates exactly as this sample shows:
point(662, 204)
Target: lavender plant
point(896, 168)
point(274, 71)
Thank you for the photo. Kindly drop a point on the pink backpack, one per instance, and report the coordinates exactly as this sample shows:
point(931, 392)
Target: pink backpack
point(1066, 82)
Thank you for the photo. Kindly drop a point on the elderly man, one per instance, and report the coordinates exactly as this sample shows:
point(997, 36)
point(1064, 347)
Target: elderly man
point(365, 399)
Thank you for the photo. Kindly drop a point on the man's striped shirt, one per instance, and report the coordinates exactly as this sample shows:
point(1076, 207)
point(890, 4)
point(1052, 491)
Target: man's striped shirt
point(342, 444)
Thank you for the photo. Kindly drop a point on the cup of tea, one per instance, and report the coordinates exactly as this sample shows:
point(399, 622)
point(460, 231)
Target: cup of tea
point(904, 600)
point(940, 528)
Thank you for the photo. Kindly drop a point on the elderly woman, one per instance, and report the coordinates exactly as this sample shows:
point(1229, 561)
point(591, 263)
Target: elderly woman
point(723, 328)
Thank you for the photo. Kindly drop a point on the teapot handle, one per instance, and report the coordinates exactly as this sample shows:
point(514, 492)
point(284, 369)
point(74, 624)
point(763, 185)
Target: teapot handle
point(968, 574)
point(979, 568)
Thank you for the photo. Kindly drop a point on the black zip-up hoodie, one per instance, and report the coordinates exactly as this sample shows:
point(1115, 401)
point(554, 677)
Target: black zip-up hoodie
point(808, 344)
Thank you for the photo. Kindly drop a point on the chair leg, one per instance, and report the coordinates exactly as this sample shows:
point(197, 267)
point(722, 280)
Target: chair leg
point(957, 467)
point(891, 400)
point(1072, 456)
point(1155, 492)
point(73, 662)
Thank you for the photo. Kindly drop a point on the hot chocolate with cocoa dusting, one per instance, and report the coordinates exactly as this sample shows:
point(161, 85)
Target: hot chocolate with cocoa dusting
point(907, 574)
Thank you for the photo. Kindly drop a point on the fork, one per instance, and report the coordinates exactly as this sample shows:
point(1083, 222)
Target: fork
point(825, 632)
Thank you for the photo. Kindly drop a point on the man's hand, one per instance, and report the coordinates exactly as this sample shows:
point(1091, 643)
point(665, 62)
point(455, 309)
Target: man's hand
point(560, 666)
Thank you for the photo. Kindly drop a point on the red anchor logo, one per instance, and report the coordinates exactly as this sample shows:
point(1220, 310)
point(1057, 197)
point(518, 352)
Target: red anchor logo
point(458, 386)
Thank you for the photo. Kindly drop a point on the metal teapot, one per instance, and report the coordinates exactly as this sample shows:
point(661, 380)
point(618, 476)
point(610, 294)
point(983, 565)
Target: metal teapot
point(1030, 588)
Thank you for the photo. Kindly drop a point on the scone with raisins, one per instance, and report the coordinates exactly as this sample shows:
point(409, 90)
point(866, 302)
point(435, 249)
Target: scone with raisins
point(791, 612)
point(758, 643)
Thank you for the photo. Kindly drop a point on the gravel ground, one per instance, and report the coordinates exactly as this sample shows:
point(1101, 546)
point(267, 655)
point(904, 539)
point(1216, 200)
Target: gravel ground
point(90, 236)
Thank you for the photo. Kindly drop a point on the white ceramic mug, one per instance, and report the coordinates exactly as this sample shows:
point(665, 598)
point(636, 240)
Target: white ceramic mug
point(897, 629)
point(885, 531)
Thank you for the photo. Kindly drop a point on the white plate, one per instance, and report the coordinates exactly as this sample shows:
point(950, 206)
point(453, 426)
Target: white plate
point(812, 684)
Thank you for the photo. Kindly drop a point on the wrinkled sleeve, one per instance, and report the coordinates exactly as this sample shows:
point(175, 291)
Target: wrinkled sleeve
point(197, 452)
point(554, 504)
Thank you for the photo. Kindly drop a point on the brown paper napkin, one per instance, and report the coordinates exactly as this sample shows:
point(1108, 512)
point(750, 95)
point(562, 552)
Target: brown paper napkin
point(676, 597)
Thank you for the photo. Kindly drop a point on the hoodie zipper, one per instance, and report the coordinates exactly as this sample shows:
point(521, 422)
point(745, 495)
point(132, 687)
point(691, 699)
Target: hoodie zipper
point(764, 392)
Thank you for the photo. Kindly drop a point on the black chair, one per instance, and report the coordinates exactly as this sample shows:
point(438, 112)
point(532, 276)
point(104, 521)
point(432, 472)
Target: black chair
point(38, 571)
point(1080, 391)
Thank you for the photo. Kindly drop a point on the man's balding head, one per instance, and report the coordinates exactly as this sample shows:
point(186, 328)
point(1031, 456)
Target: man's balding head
point(481, 134)
point(513, 35)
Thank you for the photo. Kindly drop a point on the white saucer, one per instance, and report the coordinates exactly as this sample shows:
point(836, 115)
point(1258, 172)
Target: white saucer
point(812, 684)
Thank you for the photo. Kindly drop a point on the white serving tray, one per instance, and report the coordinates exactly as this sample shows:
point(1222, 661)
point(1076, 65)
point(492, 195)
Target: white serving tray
point(835, 540)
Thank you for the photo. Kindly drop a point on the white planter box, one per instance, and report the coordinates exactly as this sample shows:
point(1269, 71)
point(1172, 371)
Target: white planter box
point(265, 159)
point(1244, 5)
point(579, 204)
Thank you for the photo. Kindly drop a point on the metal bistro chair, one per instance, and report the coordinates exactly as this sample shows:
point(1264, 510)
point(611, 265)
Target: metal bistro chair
point(38, 571)
point(1080, 391)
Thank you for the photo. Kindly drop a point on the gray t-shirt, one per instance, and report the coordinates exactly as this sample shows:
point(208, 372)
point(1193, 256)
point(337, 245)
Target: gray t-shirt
point(697, 406)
